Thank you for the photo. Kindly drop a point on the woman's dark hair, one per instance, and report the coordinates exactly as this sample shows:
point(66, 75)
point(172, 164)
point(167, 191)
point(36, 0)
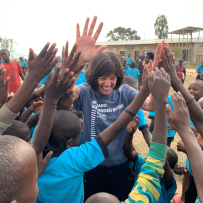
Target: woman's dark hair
point(105, 64)
point(151, 55)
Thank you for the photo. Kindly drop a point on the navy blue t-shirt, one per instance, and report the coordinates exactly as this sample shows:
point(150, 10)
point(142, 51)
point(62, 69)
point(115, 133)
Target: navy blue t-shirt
point(99, 112)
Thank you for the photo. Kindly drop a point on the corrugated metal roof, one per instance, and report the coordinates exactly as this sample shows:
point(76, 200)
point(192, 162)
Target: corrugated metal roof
point(186, 30)
point(151, 41)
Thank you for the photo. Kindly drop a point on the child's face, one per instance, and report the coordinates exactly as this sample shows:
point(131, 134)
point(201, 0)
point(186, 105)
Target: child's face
point(4, 55)
point(81, 122)
point(196, 89)
point(180, 62)
point(124, 63)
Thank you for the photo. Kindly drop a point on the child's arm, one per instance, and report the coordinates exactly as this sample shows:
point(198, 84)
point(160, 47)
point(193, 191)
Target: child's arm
point(55, 87)
point(22, 76)
point(36, 106)
point(180, 121)
point(128, 145)
point(168, 176)
point(196, 113)
point(152, 170)
point(3, 87)
point(33, 120)
point(147, 135)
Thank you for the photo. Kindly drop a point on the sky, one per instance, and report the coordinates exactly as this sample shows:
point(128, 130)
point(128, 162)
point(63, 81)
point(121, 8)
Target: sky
point(33, 23)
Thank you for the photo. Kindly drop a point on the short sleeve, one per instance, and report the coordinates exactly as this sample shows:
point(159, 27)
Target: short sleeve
point(184, 71)
point(84, 92)
point(151, 115)
point(142, 121)
point(127, 72)
point(198, 68)
point(138, 72)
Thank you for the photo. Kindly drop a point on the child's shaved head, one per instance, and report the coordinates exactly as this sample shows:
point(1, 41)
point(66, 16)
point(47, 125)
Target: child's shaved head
point(66, 125)
point(102, 197)
point(18, 129)
point(18, 174)
point(130, 81)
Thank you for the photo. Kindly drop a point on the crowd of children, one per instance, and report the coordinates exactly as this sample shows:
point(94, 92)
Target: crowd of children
point(66, 133)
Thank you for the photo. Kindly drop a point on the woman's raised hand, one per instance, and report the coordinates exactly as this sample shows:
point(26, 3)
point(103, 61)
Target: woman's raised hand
point(85, 43)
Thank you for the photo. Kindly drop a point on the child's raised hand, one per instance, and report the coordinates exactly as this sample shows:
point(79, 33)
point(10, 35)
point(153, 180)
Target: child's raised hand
point(168, 64)
point(132, 126)
point(86, 43)
point(36, 106)
point(181, 146)
point(159, 84)
point(40, 66)
point(180, 119)
point(42, 163)
point(180, 169)
point(3, 87)
point(55, 87)
point(198, 136)
point(71, 61)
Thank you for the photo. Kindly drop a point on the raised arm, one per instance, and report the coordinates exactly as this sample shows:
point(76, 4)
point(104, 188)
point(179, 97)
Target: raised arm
point(180, 121)
point(55, 87)
point(196, 113)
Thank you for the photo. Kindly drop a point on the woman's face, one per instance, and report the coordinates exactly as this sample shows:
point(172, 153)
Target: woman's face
point(107, 83)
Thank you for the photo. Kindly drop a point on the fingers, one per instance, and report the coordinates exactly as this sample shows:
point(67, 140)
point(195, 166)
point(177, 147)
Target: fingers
point(31, 55)
point(86, 27)
point(49, 52)
point(2, 76)
point(64, 76)
point(149, 67)
point(158, 72)
point(49, 79)
point(47, 158)
point(43, 51)
point(183, 100)
point(77, 30)
point(54, 62)
point(51, 57)
point(97, 33)
point(175, 102)
point(162, 45)
point(150, 79)
point(100, 49)
point(6, 84)
point(169, 113)
point(56, 73)
point(66, 50)
point(72, 52)
point(164, 74)
point(92, 26)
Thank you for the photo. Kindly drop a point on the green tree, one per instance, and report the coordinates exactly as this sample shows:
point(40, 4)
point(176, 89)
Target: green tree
point(161, 27)
point(178, 52)
point(7, 44)
point(123, 34)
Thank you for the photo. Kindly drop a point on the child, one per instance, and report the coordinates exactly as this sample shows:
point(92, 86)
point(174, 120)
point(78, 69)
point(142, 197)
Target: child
point(195, 88)
point(167, 182)
point(23, 65)
point(13, 70)
point(129, 60)
point(148, 57)
point(140, 67)
point(199, 70)
point(125, 67)
point(180, 70)
point(133, 72)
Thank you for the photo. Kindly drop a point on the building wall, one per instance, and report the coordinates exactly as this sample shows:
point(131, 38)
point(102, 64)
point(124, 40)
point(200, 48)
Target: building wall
point(198, 53)
point(190, 56)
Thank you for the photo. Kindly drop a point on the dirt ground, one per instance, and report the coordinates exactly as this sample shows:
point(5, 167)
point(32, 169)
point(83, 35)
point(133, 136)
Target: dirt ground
point(141, 146)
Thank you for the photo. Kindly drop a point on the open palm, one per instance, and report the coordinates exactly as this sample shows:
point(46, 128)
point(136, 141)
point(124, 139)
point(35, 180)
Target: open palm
point(86, 43)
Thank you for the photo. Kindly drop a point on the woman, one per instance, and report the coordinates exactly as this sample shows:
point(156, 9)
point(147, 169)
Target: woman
point(102, 100)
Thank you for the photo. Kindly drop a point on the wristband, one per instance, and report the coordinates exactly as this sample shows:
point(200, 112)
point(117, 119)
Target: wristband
point(127, 111)
point(190, 101)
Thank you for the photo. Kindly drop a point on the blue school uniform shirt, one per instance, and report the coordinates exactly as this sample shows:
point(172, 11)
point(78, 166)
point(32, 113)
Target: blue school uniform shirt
point(62, 179)
point(99, 112)
point(126, 69)
point(151, 115)
point(200, 68)
point(81, 78)
point(165, 195)
point(133, 72)
point(128, 60)
point(142, 121)
point(23, 64)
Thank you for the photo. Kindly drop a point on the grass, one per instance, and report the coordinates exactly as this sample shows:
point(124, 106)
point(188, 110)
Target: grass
point(141, 146)
point(190, 66)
